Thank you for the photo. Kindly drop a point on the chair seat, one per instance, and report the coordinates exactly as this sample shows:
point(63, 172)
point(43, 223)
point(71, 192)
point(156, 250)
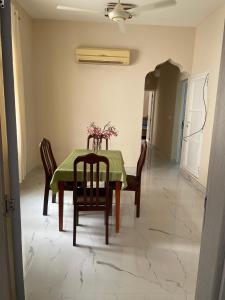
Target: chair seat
point(80, 192)
point(68, 186)
point(81, 202)
point(132, 183)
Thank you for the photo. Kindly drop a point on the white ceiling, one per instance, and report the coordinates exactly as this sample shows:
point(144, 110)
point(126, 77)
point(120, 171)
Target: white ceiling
point(185, 13)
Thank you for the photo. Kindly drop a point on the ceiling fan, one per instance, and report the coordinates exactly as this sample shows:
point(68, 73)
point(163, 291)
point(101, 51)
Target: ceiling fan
point(121, 12)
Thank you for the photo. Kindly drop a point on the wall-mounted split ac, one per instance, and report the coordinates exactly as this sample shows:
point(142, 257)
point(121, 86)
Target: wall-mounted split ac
point(103, 56)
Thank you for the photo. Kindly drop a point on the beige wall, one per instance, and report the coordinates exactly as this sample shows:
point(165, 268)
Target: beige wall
point(70, 95)
point(165, 109)
point(26, 34)
point(207, 55)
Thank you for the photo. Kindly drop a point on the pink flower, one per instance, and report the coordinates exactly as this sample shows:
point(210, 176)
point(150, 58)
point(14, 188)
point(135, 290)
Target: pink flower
point(107, 132)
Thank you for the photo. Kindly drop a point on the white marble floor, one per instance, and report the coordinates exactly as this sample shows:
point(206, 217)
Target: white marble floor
point(153, 258)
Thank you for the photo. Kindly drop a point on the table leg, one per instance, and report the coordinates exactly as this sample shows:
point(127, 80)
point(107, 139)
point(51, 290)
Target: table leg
point(118, 186)
point(61, 198)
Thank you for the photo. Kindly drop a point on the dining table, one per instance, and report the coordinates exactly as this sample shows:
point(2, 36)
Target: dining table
point(65, 174)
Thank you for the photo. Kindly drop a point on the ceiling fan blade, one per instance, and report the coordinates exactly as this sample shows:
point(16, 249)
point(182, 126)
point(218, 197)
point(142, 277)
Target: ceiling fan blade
point(76, 9)
point(152, 6)
point(122, 27)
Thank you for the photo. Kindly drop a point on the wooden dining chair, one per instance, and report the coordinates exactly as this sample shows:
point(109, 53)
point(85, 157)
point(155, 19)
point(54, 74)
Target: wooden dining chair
point(49, 164)
point(134, 182)
point(91, 199)
point(98, 141)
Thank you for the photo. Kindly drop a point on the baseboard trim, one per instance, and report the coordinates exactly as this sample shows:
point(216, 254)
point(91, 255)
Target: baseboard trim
point(188, 176)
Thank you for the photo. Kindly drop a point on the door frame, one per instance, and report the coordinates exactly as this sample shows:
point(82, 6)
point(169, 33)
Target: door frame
point(151, 116)
point(186, 132)
point(149, 112)
point(184, 91)
point(6, 278)
point(210, 283)
point(10, 114)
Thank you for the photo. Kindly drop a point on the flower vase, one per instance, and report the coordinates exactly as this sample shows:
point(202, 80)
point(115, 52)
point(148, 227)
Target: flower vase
point(97, 144)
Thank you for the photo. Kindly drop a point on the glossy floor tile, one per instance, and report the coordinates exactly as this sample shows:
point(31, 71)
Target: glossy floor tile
point(153, 258)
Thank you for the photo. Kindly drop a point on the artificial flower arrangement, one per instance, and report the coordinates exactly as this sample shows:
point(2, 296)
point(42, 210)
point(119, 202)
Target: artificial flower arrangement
point(99, 133)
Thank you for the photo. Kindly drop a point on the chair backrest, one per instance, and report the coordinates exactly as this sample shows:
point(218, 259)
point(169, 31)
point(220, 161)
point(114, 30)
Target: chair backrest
point(47, 158)
point(97, 141)
point(90, 180)
point(141, 159)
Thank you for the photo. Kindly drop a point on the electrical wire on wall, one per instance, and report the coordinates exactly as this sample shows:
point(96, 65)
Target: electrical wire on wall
point(205, 108)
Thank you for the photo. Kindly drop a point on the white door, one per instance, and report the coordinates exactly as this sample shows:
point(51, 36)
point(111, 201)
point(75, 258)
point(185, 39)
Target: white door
point(196, 112)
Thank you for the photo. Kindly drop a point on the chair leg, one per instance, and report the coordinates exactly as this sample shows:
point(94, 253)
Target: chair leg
point(137, 201)
point(53, 198)
point(77, 217)
point(135, 198)
point(75, 226)
point(106, 227)
point(110, 201)
point(46, 194)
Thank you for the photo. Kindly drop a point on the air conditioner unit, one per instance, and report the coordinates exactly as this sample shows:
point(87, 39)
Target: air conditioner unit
point(103, 56)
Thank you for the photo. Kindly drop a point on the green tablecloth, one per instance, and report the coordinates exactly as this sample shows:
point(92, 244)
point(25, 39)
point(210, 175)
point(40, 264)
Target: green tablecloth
point(65, 171)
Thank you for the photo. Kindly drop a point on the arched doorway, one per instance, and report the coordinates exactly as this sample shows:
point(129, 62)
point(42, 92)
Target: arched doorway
point(164, 109)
